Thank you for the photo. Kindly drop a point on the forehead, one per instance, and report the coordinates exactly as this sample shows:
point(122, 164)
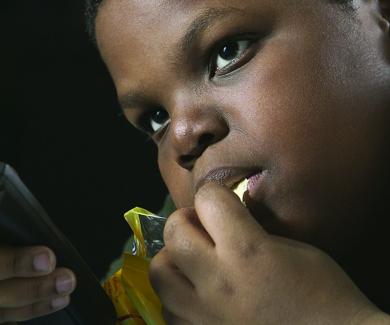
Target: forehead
point(135, 33)
point(134, 15)
point(156, 9)
point(122, 20)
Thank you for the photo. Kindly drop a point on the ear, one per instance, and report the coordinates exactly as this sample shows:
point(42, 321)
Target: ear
point(384, 19)
point(384, 7)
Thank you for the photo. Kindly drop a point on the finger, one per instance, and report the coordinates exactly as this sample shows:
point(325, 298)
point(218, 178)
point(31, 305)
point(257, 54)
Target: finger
point(25, 261)
point(20, 292)
point(225, 218)
point(33, 311)
point(190, 247)
point(176, 292)
point(172, 319)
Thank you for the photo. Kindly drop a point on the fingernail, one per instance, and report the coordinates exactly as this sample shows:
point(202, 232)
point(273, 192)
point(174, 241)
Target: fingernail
point(64, 283)
point(41, 263)
point(59, 302)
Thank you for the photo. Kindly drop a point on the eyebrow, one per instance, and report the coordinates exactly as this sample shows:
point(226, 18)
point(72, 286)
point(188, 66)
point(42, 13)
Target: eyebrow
point(201, 23)
point(195, 30)
point(131, 100)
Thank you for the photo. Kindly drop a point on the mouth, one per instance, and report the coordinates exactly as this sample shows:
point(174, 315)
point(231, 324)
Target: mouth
point(230, 177)
point(240, 189)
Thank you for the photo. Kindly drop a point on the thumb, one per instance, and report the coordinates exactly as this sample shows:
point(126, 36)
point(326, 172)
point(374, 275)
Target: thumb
point(225, 218)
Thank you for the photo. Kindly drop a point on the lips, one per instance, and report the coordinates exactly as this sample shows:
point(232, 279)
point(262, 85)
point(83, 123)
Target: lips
point(253, 181)
point(228, 176)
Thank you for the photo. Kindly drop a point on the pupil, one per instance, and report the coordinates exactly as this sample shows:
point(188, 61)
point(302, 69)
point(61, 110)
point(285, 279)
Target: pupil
point(160, 116)
point(229, 51)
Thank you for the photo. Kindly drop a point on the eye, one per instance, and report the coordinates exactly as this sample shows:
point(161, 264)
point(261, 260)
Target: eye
point(158, 119)
point(229, 54)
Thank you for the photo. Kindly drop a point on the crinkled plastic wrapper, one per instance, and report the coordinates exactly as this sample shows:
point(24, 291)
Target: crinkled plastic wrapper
point(129, 289)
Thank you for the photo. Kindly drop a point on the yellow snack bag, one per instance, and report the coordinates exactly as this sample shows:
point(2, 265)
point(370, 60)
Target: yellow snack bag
point(126, 313)
point(129, 289)
point(135, 280)
point(148, 230)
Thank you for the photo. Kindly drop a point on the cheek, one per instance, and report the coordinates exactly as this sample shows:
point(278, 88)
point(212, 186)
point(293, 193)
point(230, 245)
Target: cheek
point(177, 180)
point(291, 111)
point(280, 106)
point(322, 145)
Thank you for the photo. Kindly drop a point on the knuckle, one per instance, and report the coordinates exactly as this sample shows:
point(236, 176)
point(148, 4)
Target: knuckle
point(171, 226)
point(39, 289)
point(20, 260)
point(187, 246)
point(19, 292)
point(225, 287)
point(15, 315)
point(10, 262)
point(32, 311)
point(13, 292)
point(17, 262)
point(154, 280)
point(156, 269)
point(247, 250)
point(40, 308)
point(159, 259)
point(176, 220)
point(26, 313)
point(169, 231)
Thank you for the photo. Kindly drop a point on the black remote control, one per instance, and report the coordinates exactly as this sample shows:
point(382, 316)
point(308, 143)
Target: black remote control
point(23, 222)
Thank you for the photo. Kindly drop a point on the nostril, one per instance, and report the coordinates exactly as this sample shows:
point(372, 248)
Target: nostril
point(203, 142)
point(205, 139)
point(187, 160)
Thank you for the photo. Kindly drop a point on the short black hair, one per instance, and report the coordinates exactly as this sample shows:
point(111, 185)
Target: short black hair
point(92, 7)
point(91, 10)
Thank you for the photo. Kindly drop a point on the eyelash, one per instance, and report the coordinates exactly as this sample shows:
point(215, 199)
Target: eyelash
point(145, 120)
point(238, 62)
point(144, 123)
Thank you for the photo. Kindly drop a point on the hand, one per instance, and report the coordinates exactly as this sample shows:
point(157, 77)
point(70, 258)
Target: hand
point(219, 266)
point(30, 285)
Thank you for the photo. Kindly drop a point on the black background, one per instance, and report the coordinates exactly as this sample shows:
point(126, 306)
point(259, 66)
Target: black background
point(60, 129)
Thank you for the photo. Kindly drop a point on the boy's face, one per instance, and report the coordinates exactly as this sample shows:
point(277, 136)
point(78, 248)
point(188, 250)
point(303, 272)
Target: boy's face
point(293, 92)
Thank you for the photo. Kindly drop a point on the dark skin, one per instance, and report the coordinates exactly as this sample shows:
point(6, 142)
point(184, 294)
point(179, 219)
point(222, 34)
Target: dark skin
point(309, 108)
point(295, 92)
point(304, 102)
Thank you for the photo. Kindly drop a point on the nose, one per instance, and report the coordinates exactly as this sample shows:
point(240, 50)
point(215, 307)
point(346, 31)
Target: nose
point(193, 131)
